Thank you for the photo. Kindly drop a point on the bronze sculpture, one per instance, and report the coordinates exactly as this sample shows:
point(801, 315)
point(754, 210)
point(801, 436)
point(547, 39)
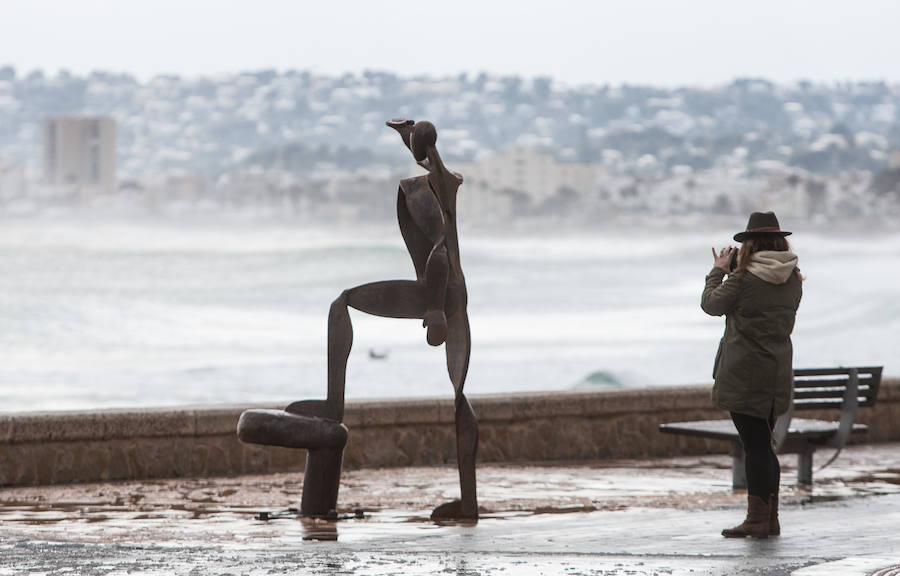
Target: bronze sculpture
point(426, 212)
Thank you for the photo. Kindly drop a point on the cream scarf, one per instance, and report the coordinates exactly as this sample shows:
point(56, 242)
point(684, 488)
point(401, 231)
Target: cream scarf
point(772, 266)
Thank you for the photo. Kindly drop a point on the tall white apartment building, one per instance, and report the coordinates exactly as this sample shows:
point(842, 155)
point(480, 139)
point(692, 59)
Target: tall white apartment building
point(80, 151)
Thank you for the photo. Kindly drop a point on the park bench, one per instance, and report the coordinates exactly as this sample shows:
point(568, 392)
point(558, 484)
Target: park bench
point(841, 389)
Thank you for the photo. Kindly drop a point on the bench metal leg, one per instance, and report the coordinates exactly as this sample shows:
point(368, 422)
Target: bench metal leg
point(738, 471)
point(321, 480)
point(805, 467)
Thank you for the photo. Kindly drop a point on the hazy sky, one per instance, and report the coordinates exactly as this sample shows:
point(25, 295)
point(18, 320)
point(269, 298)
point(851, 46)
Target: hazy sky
point(638, 41)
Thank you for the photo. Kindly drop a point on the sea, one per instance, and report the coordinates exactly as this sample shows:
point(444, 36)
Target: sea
point(100, 314)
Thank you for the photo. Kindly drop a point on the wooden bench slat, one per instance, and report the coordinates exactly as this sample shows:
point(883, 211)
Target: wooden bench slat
point(799, 372)
point(865, 384)
point(829, 383)
point(828, 404)
point(863, 399)
point(832, 392)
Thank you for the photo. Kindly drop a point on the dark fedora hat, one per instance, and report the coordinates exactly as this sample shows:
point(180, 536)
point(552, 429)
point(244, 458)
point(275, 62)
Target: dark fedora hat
point(761, 224)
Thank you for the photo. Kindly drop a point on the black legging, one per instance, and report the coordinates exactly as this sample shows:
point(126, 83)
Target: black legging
point(760, 461)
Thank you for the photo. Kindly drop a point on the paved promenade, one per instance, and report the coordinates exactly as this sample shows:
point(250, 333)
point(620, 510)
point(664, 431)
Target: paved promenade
point(659, 517)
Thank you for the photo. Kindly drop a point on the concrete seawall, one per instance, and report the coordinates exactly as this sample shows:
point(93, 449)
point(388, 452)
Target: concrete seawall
point(64, 447)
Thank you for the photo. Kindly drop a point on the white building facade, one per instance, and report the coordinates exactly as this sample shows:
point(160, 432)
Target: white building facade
point(80, 152)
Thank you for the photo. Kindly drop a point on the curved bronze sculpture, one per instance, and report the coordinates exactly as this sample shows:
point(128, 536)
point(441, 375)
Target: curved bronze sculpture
point(426, 211)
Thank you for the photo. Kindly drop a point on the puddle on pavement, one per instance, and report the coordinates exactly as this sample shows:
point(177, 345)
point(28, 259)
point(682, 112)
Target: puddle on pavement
point(889, 476)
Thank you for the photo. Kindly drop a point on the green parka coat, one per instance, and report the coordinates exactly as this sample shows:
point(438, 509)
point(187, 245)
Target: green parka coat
point(753, 370)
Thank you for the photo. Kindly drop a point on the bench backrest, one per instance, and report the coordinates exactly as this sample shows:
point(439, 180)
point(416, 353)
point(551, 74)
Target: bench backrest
point(818, 388)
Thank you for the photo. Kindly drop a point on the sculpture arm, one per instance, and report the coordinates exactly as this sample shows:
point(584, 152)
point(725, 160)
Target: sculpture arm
point(403, 127)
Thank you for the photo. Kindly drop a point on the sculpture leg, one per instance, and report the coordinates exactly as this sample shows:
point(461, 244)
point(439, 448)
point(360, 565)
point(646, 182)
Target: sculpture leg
point(322, 475)
point(466, 451)
point(340, 340)
point(392, 299)
point(403, 299)
point(321, 481)
point(458, 347)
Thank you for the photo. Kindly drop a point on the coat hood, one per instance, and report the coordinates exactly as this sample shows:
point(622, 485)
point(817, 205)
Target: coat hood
point(772, 266)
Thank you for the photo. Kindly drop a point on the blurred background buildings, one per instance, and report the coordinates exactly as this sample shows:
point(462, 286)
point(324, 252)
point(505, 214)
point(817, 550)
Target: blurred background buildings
point(301, 145)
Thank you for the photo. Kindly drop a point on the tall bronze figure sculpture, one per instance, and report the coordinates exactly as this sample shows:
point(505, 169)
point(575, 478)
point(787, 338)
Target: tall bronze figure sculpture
point(426, 211)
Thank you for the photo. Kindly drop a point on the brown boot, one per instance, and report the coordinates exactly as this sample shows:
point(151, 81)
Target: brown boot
point(756, 524)
point(774, 526)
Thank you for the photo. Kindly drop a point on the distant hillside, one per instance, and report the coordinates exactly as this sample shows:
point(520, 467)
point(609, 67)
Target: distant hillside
point(294, 121)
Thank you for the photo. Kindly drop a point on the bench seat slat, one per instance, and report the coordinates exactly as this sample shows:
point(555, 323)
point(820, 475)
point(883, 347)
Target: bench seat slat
point(717, 429)
point(725, 430)
point(819, 428)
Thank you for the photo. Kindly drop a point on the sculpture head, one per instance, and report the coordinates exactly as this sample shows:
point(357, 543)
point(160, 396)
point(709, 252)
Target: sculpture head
point(423, 136)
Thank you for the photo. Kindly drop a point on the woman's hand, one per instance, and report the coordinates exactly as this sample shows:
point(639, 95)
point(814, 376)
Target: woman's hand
point(723, 260)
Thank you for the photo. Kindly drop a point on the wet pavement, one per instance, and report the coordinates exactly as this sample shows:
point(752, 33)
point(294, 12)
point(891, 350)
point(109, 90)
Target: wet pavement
point(659, 517)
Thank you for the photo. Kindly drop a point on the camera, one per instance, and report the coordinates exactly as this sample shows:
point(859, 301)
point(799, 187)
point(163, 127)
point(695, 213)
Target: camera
point(734, 256)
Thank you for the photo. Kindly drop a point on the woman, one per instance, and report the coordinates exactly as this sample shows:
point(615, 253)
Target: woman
point(753, 371)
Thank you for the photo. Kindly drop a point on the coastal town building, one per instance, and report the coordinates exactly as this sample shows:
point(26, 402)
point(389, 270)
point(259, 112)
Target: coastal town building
point(500, 183)
point(80, 152)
